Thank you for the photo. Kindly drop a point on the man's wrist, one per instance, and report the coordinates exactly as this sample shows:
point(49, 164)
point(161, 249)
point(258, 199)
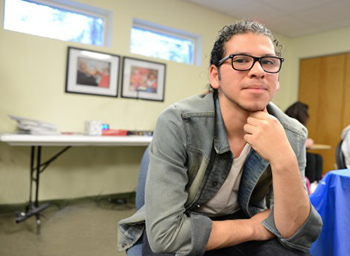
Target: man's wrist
point(285, 163)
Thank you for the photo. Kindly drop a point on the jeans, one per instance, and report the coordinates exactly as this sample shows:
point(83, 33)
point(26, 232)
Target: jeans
point(136, 250)
point(256, 248)
point(252, 248)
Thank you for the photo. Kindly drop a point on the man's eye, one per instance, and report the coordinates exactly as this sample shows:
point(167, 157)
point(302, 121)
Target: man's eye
point(269, 61)
point(241, 60)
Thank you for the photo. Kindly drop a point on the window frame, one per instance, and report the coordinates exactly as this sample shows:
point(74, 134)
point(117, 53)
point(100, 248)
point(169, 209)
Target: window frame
point(172, 32)
point(79, 8)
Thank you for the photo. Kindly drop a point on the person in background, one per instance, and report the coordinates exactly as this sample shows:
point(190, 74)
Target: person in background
point(226, 172)
point(314, 162)
point(345, 147)
point(84, 76)
point(104, 78)
point(152, 81)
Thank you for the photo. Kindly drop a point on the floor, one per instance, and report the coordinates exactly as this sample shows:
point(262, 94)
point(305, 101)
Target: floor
point(86, 227)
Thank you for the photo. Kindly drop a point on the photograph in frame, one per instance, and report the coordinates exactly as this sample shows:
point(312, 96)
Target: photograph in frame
point(143, 79)
point(91, 72)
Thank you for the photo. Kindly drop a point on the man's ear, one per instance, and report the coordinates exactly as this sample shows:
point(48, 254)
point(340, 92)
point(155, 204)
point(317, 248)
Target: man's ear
point(278, 85)
point(214, 76)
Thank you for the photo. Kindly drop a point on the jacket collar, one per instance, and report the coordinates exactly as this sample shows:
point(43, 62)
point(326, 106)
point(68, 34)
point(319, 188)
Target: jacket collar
point(221, 144)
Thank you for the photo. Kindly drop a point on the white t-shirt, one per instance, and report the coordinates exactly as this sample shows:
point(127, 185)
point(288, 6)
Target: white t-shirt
point(225, 201)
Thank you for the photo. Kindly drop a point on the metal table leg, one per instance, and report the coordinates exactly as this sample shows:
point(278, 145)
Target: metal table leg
point(36, 167)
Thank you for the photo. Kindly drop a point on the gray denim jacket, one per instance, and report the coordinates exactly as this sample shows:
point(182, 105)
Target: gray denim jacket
point(190, 159)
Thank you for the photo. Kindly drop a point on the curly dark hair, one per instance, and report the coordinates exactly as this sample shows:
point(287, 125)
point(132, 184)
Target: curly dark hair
point(240, 27)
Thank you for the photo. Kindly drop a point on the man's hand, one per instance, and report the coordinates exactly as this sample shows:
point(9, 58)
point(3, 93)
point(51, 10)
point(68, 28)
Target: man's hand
point(267, 136)
point(231, 232)
point(309, 142)
point(260, 232)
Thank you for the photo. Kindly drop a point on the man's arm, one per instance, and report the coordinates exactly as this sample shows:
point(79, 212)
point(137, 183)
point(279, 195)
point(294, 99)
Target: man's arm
point(231, 232)
point(291, 204)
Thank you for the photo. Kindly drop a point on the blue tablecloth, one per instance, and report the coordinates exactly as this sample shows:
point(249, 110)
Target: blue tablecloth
point(332, 200)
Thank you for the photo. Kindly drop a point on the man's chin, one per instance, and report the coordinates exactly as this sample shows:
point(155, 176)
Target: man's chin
point(254, 108)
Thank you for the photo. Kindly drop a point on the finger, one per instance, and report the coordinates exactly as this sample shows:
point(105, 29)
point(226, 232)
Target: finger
point(253, 121)
point(260, 115)
point(247, 137)
point(248, 128)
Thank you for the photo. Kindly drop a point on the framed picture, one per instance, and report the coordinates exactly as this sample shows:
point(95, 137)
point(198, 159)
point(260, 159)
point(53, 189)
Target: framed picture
point(90, 72)
point(143, 79)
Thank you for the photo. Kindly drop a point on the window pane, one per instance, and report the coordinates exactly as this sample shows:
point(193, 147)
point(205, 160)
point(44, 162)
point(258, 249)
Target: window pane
point(157, 45)
point(53, 22)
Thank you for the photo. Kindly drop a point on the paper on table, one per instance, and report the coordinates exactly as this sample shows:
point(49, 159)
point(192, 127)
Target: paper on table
point(27, 125)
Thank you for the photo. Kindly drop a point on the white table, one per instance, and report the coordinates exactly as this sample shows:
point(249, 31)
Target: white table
point(319, 147)
point(37, 166)
point(73, 140)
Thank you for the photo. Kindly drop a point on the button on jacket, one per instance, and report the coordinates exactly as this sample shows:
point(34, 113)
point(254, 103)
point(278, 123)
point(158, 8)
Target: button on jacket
point(190, 159)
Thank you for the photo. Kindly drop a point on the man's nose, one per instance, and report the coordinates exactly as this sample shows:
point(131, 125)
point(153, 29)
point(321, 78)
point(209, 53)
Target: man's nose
point(257, 69)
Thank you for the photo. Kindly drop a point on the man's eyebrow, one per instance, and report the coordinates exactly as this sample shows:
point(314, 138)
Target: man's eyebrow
point(245, 53)
point(271, 55)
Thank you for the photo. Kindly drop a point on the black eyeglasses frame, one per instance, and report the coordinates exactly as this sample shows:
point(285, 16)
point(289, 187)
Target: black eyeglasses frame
point(256, 59)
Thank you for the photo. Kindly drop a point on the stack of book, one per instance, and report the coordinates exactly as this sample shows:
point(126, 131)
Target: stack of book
point(119, 132)
point(31, 126)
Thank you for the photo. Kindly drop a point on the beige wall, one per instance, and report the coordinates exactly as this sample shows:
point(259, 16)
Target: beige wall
point(32, 71)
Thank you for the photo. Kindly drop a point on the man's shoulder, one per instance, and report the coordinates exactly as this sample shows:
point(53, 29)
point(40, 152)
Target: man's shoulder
point(199, 104)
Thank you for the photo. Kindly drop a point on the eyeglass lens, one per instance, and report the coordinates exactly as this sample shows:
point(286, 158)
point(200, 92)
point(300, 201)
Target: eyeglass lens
point(243, 62)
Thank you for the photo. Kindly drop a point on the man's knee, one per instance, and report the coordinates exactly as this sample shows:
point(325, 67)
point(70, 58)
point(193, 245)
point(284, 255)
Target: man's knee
point(268, 248)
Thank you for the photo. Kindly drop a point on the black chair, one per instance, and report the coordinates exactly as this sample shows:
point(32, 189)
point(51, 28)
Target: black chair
point(339, 156)
point(141, 183)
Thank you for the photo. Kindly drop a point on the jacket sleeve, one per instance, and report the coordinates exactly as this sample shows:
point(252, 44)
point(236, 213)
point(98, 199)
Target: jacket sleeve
point(304, 237)
point(170, 229)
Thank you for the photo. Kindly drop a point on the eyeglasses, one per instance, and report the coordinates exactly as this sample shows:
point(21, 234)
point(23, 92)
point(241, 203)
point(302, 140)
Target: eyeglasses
point(244, 62)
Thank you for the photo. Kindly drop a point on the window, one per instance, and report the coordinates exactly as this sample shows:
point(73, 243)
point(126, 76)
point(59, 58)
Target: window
point(159, 42)
point(64, 20)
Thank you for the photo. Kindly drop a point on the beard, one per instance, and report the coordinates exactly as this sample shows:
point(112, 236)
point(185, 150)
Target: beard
point(253, 107)
point(248, 104)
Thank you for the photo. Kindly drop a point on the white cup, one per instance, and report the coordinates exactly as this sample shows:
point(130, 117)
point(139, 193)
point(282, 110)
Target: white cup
point(93, 127)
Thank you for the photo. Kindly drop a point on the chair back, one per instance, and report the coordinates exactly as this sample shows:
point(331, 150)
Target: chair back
point(141, 182)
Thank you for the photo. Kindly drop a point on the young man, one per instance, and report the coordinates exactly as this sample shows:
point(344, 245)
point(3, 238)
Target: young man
point(226, 173)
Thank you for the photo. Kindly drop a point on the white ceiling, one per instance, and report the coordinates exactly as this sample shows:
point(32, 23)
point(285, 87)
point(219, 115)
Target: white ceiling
point(292, 18)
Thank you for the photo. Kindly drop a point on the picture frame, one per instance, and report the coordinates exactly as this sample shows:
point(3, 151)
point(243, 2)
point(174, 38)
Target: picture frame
point(143, 79)
point(92, 72)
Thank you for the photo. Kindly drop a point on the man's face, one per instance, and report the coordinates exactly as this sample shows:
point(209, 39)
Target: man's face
point(249, 90)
